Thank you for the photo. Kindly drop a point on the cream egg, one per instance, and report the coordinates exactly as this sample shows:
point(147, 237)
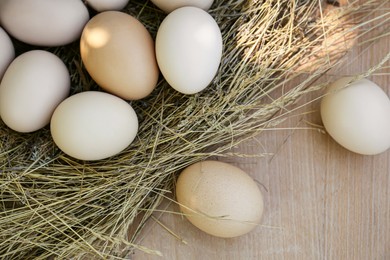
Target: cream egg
point(32, 87)
point(118, 53)
point(189, 49)
point(357, 115)
point(44, 22)
point(93, 125)
point(219, 198)
point(7, 53)
point(107, 5)
point(170, 5)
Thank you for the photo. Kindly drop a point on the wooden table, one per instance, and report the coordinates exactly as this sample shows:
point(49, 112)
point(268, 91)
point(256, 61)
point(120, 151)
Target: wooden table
point(321, 201)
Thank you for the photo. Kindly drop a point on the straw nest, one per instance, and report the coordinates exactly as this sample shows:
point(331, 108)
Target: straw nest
point(53, 206)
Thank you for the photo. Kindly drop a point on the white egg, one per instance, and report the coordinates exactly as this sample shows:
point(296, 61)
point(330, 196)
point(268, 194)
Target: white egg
point(7, 53)
point(357, 115)
point(32, 87)
point(189, 49)
point(44, 22)
point(107, 5)
point(170, 5)
point(93, 125)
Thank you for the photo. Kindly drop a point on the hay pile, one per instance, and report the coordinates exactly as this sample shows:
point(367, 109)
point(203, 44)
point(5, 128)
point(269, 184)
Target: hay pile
point(56, 206)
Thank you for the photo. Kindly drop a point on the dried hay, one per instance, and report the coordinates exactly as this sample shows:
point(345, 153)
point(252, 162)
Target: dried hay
point(55, 206)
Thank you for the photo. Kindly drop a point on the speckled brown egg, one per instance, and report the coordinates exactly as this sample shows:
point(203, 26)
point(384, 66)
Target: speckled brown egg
point(219, 198)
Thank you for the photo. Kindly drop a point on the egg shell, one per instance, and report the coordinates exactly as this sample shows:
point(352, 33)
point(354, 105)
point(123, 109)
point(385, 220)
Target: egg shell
point(189, 49)
point(171, 5)
point(44, 22)
point(118, 52)
point(32, 87)
point(7, 53)
point(357, 115)
point(93, 125)
point(107, 5)
point(219, 198)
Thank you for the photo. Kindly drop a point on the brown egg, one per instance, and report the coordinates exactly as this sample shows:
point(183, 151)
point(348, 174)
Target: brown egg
point(220, 199)
point(118, 53)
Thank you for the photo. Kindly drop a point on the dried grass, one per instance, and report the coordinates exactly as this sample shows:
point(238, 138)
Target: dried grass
point(55, 206)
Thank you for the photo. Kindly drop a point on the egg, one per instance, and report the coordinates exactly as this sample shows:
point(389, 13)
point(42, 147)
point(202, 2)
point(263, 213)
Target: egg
point(170, 5)
point(93, 125)
point(107, 5)
point(7, 53)
point(118, 53)
point(357, 115)
point(189, 49)
point(220, 199)
point(44, 22)
point(32, 87)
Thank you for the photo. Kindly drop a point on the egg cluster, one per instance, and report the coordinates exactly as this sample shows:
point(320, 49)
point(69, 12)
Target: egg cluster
point(123, 59)
point(119, 54)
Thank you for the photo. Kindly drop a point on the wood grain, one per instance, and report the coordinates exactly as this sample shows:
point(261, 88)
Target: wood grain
point(321, 201)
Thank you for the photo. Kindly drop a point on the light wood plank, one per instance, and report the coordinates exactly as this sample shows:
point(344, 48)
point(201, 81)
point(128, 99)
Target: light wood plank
point(321, 201)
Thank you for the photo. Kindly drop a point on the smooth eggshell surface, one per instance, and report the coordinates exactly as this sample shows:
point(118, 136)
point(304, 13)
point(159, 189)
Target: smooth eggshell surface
point(189, 49)
point(107, 5)
point(7, 53)
point(32, 87)
point(220, 199)
point(171, 5)
point(44, 22)
point(93, 125)
point(357, 116)
point(118, 52)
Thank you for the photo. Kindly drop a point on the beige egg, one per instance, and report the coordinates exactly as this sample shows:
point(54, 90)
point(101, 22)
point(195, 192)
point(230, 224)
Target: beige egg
point(7, 53)
point(107, 5)
point(93, 125)
point(44, 22)
point(118, 53)
point(220, 199)
point(32, 87)
point(171, 5)
point(357, 115)
point(189, 49)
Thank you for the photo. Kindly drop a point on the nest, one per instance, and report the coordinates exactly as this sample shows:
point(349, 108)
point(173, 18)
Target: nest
point(53, 206)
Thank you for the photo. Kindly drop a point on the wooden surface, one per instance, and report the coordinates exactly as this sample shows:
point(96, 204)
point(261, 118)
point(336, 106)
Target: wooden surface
point(321, 201)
